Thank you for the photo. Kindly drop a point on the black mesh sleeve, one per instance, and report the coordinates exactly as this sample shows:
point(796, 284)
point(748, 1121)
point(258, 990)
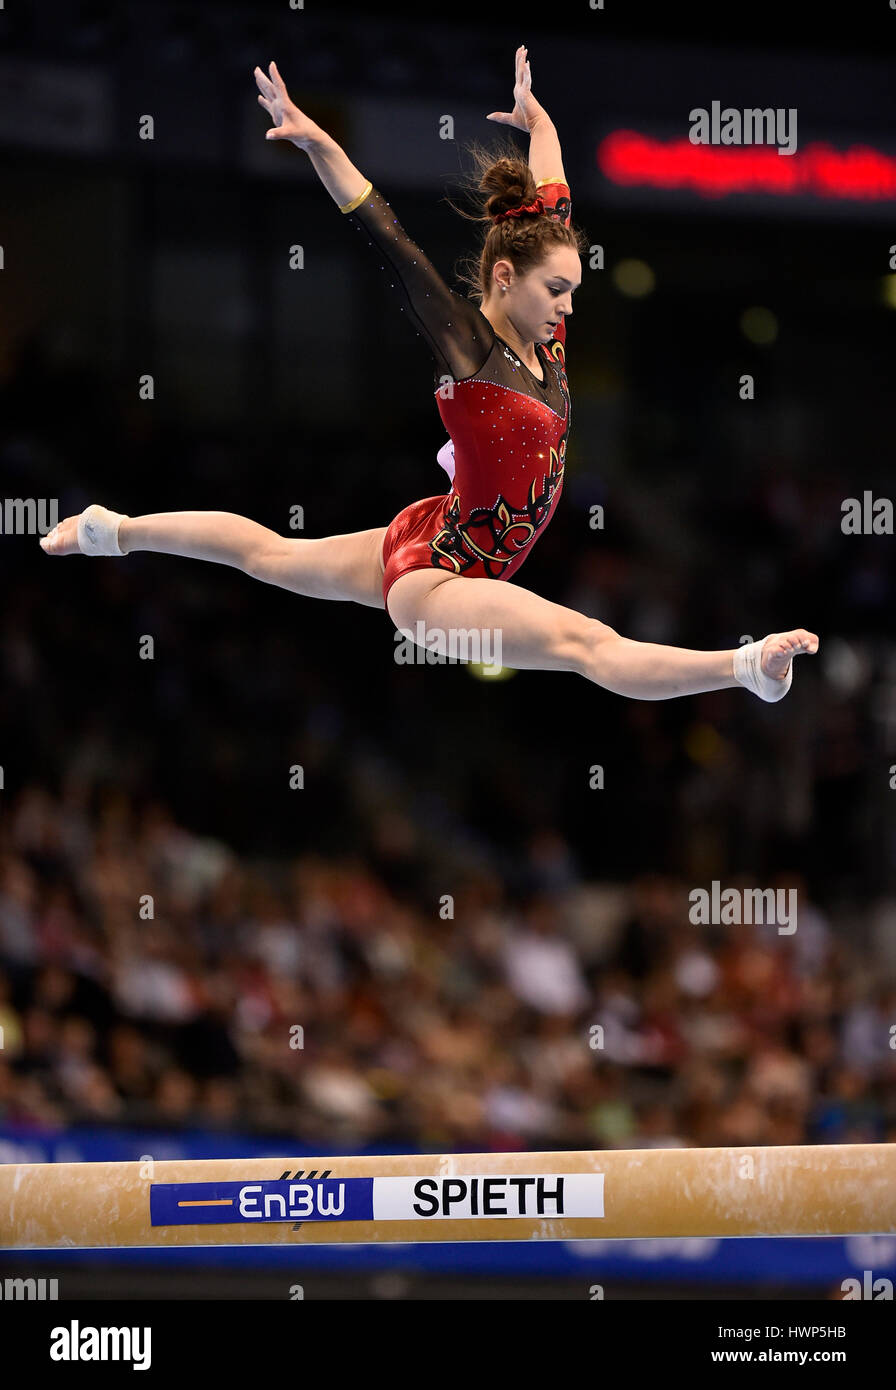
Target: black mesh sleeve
point(458, 335)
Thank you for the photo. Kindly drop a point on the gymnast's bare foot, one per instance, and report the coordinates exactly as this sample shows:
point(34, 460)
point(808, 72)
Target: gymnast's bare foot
point(780, 647)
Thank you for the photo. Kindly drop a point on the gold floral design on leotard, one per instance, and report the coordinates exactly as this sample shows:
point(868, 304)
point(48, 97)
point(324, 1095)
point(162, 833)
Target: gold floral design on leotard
point(493, 536)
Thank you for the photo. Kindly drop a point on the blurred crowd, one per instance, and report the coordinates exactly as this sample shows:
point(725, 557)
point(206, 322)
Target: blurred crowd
point(151, 977)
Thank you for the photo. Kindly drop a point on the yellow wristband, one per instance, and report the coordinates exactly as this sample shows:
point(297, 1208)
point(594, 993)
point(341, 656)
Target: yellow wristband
point(542, 182)
point(356, 202)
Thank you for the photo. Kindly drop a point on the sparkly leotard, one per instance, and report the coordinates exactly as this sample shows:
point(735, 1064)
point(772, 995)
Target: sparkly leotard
point(508, 430)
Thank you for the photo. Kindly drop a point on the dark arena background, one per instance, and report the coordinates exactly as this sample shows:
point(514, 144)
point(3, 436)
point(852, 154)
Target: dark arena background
point(267, 889)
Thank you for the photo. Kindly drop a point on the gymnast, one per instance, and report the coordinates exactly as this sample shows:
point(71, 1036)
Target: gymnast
point(501, 390)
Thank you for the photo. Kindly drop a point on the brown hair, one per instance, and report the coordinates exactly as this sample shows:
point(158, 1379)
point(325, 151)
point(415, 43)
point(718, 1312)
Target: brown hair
point(500, 180)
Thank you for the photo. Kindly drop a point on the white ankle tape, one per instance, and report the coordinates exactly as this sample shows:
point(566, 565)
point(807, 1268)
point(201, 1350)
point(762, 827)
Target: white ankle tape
point(98, 531)
point(748, 671)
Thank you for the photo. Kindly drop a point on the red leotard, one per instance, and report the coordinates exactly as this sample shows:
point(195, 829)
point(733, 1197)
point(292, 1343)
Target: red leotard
point(508, 430)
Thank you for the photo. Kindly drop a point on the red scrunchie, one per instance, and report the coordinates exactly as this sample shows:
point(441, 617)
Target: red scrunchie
point(537, 206)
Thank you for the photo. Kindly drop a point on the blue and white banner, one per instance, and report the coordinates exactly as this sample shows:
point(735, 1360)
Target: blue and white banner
point(378, 1199)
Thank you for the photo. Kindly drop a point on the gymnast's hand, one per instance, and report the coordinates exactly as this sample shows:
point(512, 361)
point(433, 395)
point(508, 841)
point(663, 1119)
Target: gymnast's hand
point(526, 110)
point(289, 122)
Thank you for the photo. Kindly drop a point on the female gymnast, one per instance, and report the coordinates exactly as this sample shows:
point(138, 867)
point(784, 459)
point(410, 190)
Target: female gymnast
point(503, 397)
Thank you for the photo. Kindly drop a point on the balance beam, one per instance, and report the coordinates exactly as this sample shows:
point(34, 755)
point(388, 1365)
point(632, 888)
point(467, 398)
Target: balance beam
point(825, 1189)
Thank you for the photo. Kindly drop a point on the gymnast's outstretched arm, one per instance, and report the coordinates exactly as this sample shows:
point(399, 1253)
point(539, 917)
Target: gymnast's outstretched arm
point(338, 175)
point(529, 115)
point(456, 333)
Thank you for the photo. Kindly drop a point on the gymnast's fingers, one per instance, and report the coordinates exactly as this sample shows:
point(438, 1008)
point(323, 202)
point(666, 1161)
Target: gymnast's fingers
point(279, 84)
point(265, 85)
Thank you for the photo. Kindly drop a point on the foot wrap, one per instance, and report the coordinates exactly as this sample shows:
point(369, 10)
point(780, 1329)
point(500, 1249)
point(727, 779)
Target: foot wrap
point(749, 672)
point(98, 531)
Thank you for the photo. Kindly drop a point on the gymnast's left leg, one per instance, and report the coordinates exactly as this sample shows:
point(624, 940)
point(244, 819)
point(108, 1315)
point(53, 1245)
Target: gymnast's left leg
point(536, 634)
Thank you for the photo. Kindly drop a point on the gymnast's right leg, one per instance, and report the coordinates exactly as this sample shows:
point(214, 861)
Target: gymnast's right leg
point(347, 567)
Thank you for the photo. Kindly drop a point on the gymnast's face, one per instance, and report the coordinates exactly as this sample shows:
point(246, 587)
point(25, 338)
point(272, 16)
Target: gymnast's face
point(537, 301)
